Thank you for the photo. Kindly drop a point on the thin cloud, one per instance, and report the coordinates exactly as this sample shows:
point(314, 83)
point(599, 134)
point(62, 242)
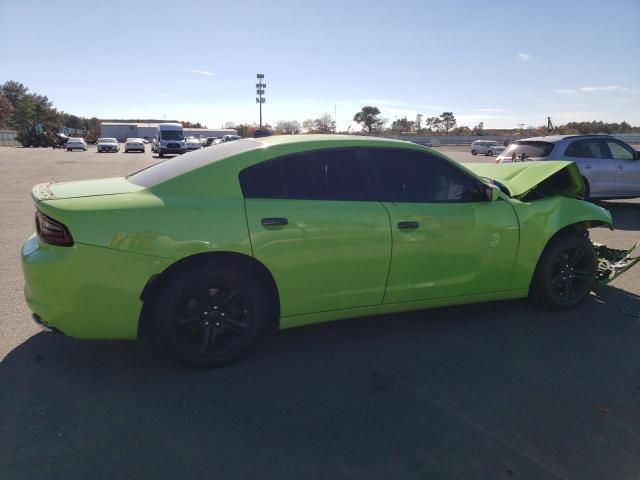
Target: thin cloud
point(201, 72)
point(566, 91)
point(525, 57)
point(606, 88)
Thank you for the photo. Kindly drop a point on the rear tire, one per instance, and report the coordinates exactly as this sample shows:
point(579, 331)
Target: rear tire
point(474, 153)
point(490, 153)
point(587, 190)
point(566, 271)
point(211, 314)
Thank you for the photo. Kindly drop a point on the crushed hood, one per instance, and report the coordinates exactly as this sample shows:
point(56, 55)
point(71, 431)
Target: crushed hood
point(84, 188)
point(548, 177)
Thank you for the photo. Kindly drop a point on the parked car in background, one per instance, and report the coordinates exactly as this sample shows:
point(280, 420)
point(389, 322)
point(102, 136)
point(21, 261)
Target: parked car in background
point(208, 252)
point(76, 143)
point(230, 138)
point(486, 147)
point(212, 141)
point(610, 168)
point(134, 145)
point(192, 143)
point(107, 145)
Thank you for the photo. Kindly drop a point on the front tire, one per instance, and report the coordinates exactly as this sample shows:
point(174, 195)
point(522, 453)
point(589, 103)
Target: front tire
point(565, 272)
point(474, 153)
point(210, 315)
point(490, 153)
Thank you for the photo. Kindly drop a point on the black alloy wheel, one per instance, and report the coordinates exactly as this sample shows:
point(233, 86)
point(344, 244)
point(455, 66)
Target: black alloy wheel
point(211, 314)
point(212, 321)
point(566, 271)
point(572, 274)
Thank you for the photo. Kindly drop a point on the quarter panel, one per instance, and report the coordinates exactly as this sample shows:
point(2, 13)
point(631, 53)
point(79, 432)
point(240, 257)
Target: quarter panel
point(86, 291)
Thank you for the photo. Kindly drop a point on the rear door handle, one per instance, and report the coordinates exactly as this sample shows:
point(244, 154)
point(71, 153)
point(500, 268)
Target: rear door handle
point(408, 225)
point(588, 166)
point(271, 221)
point(620, 167)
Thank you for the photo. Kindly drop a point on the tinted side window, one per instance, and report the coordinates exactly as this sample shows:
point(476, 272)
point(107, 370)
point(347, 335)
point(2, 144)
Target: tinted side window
point(319, 175)
point(590, 148)
point(619, 151)
point(415, 177)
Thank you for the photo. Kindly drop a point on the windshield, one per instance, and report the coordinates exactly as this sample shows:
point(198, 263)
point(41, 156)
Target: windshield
point(524, 149)
point(107, 140)
point(171, 135)
point(130, 140)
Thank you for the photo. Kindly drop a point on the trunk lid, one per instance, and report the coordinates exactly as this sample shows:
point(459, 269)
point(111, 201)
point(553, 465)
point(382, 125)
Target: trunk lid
point(84, 188)
point(547, 178)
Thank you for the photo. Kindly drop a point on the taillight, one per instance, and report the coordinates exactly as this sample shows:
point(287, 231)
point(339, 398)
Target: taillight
point(52, 231)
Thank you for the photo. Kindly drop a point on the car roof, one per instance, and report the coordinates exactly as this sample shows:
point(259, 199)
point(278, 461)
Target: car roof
point(557, 138)
point(321, 138)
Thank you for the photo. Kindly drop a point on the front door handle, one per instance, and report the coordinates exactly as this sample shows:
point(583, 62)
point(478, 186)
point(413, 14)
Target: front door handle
point(620, 167)
point(271, 221)
point(588, 166)
point(408, 225)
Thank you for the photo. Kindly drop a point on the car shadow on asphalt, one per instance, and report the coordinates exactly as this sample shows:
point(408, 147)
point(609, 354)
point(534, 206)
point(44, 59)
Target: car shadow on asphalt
point(626, 215)
point(495, 390)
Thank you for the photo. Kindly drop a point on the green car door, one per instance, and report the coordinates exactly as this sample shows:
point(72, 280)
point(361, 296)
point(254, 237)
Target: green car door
point(447, 240)
point(315, 223)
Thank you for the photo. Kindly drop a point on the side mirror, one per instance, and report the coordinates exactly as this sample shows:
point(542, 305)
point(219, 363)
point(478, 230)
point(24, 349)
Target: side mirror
point(492, 193)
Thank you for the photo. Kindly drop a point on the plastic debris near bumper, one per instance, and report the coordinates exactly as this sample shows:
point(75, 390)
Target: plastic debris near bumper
point(614, 262)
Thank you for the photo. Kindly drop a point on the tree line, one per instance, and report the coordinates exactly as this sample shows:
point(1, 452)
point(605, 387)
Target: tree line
point(35, 118)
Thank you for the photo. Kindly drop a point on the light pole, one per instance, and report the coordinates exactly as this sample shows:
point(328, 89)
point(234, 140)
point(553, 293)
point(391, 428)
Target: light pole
point(260, 86)
point(521, 125)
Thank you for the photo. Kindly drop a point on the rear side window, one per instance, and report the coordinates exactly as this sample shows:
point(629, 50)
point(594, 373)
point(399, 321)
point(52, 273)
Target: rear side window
point(319, 175)
point(589, 148)
point(524, 149)
point(406, 176)
point(619, 151)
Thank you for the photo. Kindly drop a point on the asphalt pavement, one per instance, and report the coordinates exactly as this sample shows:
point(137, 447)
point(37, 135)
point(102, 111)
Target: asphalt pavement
point(490, 391)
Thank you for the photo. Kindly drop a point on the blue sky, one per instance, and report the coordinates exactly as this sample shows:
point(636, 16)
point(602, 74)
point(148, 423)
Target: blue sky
point(503, 63)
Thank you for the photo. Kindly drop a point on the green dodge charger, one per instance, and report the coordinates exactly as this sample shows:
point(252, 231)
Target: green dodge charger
point(205, 252)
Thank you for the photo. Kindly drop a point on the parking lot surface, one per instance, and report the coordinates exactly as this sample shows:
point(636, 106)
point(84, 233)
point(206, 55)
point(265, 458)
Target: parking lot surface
point(496, 390)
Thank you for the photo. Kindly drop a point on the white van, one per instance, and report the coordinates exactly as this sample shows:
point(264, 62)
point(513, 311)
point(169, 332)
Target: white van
point(170, 139)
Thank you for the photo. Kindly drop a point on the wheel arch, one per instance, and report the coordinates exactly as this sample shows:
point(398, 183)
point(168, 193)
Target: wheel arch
point(580, 227)
point(155, 283)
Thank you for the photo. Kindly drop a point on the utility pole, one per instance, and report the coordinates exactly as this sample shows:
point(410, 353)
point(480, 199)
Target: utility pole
point(335, 118)
point(260, 86)
point(521, 125)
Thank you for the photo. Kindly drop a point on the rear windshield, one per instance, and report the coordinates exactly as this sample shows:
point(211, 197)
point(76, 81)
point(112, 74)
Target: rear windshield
point(107, 140)
point(176, 166)
point(523, 149)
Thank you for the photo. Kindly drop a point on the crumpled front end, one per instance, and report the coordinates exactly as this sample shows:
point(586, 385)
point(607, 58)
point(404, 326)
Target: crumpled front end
point(614, 262)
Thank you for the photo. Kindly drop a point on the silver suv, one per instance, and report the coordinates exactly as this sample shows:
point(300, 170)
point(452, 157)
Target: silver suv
point(486, 147)
point(610, 168)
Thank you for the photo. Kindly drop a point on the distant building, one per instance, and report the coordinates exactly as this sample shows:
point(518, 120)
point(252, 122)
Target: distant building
point(124, 130)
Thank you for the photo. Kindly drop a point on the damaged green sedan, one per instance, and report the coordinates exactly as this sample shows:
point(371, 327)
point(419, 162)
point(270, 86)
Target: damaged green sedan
point(205, 252)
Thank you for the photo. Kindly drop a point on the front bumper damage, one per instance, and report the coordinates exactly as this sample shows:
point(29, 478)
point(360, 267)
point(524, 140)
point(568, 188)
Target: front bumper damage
point(613, 262)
